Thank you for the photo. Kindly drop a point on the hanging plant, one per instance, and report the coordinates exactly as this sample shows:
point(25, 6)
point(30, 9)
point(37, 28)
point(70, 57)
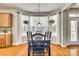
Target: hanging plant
point(26, 22)
point(51, 22)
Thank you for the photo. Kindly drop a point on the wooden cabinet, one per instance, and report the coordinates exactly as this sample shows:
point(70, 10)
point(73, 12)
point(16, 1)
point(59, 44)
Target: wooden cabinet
point(5, 40)
point(0, 21)
point(8, 39)
point(2, 40)
point(5, 20)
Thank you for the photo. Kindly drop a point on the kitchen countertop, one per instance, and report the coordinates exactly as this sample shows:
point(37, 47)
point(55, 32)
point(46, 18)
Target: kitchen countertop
point(3, 33)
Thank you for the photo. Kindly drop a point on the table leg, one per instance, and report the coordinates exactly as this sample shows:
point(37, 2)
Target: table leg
point(28, 51)
point(49, 50)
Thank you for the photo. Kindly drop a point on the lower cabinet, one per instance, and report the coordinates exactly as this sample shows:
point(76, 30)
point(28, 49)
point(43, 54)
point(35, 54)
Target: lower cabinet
point(8, 39)
point(2, 40)
point(5, 40)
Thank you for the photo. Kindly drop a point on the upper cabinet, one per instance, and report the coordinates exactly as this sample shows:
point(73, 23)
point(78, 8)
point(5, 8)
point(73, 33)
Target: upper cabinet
point(0, 21)
point(5, 20)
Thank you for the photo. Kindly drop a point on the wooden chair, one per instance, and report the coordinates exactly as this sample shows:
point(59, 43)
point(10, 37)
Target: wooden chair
point(38, 44)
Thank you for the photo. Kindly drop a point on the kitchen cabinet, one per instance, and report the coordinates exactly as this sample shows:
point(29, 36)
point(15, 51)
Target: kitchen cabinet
point(2, 40)
point(0, 21)
point(8, 39)
point(5, 20)
point(5, 39)
point(5, 24)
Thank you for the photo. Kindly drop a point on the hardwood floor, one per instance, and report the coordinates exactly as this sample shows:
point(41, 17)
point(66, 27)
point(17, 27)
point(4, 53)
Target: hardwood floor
point(14, 51)
point(56, 50)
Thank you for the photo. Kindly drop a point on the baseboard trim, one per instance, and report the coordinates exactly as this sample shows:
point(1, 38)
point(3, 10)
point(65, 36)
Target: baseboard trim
point(19, 43)
point(55, 43)
point(15, 44)
point(63, 45)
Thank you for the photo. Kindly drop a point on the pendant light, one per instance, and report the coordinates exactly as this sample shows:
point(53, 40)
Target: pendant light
point(39, 14)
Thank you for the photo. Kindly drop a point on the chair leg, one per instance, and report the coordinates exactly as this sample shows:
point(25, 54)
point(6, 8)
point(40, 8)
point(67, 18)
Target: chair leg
point(33, 53)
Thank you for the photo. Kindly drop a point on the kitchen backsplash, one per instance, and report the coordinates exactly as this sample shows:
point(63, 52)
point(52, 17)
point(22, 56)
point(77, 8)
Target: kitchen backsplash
point(5, 29)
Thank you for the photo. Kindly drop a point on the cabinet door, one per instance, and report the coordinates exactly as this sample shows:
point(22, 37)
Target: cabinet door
point(6, 20)
point(0, 21)
point(2, 41)
point(8, 39)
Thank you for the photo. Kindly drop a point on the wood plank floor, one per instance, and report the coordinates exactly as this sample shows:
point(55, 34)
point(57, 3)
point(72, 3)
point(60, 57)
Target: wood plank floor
point(56, 50)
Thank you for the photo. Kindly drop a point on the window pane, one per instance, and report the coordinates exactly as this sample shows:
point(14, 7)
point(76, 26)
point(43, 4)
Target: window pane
point(73, 15)
point(73, 30)
point(38, 23)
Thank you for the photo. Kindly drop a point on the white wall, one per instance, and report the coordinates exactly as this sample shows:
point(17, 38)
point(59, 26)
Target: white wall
point(22, 34)
point(55, 39)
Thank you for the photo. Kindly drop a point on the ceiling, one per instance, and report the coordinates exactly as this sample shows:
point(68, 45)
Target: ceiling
point(33, 7)
point(75, 6)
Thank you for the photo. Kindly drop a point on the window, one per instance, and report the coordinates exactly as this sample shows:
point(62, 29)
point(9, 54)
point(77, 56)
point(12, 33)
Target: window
point(73, 15)
point(73, 30)
point(36, 20)
point(24, 26)
point(53, 27)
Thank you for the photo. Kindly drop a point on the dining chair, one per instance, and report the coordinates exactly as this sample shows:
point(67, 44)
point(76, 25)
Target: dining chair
point(38, 44)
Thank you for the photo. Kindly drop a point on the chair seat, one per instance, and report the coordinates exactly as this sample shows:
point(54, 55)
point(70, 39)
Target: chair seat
point(38, 49)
